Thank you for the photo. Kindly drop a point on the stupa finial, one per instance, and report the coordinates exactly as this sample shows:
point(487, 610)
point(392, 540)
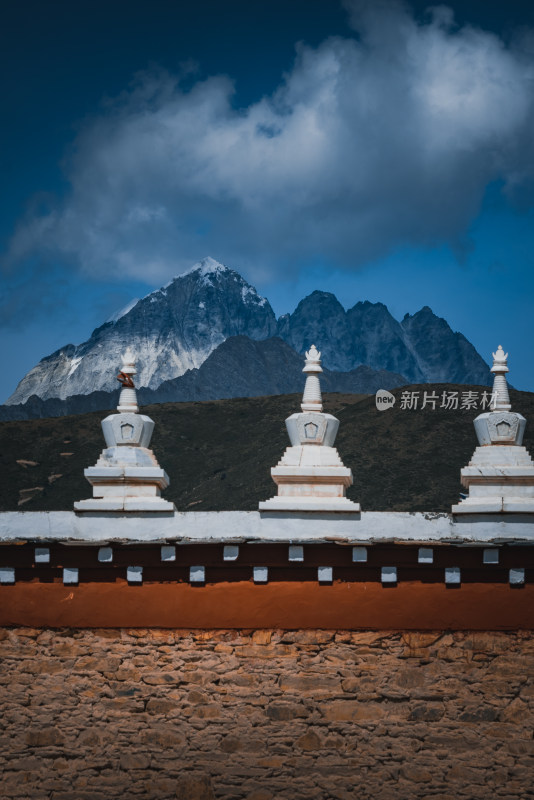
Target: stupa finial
point(312, 400)
point(501, 398)
point(128, 395)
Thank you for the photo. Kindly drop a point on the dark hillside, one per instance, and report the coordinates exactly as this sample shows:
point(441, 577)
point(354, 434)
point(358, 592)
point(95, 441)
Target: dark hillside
point(219, 454)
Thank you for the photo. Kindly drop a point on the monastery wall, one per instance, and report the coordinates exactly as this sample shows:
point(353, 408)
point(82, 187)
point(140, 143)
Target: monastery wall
point(309, 650)
point(227, 714)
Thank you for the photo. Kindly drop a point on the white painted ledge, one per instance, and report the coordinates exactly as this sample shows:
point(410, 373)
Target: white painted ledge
point(495, 505)
point(284, 526)
point(126, 503)
point(310, 503)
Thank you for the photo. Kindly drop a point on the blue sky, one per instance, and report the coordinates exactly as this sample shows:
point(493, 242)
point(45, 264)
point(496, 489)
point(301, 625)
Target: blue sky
point(377, 150)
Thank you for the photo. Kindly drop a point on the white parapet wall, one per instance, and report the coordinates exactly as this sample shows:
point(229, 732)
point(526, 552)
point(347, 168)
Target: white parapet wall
point(249, 526)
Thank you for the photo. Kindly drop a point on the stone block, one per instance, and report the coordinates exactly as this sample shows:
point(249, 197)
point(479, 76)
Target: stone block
point(490, 555)
point(262, 637)
point(194, 787)
point(45, 737)
point(148, 504)
point(158, 705)
point(168, 552)
point(518, 505)
point(388, 574)
point(41, 555)
point(260, 574)
point(296, 552)
point(260, 794)
point(105, 554)
point(231, 552)
point(134, 574)
point(282, 712)
point(231, 744)
point(426, 713)
point(416, 774)
point(134, 761)
point(479, 714)
point(7, 574)
point(516, 576)
point(352, 710)
point(453, 575)
point(70, 575)
point(425, 555)
point(197, 574)
point(309, 741)
point(325, 574)
point(481, 506)
point(311, 683)
point(310, 502)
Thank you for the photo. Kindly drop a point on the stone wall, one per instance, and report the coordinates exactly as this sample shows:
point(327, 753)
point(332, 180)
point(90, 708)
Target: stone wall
point(97, 714)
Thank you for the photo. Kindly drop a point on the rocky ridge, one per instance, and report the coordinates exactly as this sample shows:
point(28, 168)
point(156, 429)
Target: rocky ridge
point(239, 367)
point(175, 329)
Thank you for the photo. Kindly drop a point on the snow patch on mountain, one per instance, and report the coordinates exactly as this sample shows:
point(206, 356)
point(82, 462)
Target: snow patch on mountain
point(174, 329)
point(74, 364)
point(206, 268)
point(123, 311)
point(250, 295)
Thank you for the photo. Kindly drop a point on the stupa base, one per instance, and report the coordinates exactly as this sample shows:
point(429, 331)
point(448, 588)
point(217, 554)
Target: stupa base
point(304, 503)
point(495, 505)
point(125, 504)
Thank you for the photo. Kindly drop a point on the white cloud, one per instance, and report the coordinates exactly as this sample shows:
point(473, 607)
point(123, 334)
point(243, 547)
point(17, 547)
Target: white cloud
point(387, 138)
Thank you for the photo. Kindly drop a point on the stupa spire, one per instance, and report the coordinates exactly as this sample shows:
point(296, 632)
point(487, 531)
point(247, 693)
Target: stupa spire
point(500, 475)
point(128, 395)
point(311, 476)
point(501, 398)
point(312, 399)
point(127, 476)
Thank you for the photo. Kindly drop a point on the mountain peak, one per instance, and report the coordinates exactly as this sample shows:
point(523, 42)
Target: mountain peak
point(206, 266)
point(174, 329)
point(425, 311)
point(321, 293)
point(316, 299)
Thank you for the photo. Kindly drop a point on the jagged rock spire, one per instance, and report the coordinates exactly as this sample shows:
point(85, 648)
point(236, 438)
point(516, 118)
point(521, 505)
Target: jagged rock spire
point(501, 401)
point(128, 395)
point(312, 399)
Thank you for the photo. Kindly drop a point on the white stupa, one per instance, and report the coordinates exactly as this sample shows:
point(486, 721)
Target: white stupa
point(311, 476)
point(500, 476)
point(127, 476)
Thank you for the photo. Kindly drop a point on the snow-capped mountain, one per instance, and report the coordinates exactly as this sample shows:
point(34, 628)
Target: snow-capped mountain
point(175, 329)
point(172, 330)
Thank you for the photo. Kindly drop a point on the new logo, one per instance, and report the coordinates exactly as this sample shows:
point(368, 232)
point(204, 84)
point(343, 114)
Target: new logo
point(384, 400)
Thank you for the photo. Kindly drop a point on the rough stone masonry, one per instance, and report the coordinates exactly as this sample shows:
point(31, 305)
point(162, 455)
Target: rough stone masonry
point(227, 714)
